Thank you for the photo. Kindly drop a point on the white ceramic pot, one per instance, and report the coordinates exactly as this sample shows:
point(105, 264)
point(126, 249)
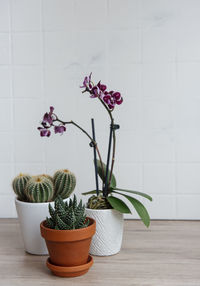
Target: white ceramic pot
point(109, 231)
point(30, 216)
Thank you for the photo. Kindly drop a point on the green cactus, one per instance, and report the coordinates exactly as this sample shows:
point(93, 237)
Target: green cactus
point(39, 189)
point(47, 176)
point(66, 216)
point(64, 183)
point(19, 184)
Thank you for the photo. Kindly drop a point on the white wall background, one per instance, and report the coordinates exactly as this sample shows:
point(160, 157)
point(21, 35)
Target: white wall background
point(147, 49)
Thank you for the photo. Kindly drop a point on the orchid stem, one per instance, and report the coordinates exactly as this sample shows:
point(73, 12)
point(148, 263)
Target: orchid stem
point(86, 133)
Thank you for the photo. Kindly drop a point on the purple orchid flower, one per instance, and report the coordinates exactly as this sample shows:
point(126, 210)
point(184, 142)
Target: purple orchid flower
point(102, 87)
point(48, 117)
point(44, 132)
point(109, 101)
point(48, 121)
point(94, 92)
point(111, 98)
point(59, 129)
point(87, 82)
point(117, 97)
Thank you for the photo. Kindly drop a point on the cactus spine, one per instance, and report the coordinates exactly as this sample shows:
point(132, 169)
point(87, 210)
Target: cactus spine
point(19, 184)
point(39, 189)
point(64, 183)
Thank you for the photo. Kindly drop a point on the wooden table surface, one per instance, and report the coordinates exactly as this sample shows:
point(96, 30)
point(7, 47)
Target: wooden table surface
point(166, 254)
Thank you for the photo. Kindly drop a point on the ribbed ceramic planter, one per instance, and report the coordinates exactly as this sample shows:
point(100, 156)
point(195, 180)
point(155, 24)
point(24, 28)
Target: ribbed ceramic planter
point(30, 216)
point(109, 231)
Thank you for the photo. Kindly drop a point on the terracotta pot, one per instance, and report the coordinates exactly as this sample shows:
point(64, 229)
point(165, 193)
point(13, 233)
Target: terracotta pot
point(71, 271)
point(68, 247)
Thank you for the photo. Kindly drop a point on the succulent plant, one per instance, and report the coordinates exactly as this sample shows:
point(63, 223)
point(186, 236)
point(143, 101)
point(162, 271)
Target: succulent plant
point(19, 184)
point(66, 216)
point(64, 183)
point(39, 189)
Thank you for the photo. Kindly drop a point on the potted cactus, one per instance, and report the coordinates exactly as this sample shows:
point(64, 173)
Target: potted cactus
point(33, 193)
point(107, 204)
point(68, 233)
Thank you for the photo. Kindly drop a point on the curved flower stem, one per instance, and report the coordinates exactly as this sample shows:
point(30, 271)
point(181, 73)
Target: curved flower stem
point(106, 107)
point(78, 126)
point(86, 133)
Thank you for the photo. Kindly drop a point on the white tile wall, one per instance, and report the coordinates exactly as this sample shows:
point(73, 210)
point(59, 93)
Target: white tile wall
point(27, 48)
point(27, 82)
point(5, 87)
point(58, 14)
point(159, 178)
point(123, 14)
point(147, 49)
point(26, 15)
point(4, 16)
point(91, 14)
point(4, 49)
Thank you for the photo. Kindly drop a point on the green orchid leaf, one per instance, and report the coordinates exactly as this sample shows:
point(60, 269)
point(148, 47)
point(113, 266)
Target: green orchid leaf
point(102, 174)
point(90, 192)
point(135, 192)
point(118, 205)
point(139, 207)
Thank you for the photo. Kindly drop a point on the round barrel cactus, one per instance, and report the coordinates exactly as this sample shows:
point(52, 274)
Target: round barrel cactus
point(39, 189)
point(19, 185)
point(47, 176)
point(64, 183)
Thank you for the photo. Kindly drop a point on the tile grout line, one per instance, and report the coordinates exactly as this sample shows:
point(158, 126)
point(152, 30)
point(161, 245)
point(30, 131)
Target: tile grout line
point(11, 74)
point(107, 40)
point(175, 131)
point(43, 73)
point(141, 102)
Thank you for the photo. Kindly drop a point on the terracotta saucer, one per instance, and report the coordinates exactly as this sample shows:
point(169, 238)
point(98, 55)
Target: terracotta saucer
point(71, 271)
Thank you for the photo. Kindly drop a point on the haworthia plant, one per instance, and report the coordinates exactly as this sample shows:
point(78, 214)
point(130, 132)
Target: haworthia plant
point(64, 183)
point(39, 189)
point(66, 216)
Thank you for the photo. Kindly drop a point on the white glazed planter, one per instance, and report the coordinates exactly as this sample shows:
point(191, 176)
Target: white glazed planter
point(109, 231)
point(30, 216)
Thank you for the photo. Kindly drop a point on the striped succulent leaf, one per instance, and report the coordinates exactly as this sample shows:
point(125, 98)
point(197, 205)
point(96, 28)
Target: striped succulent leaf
point(72, 216)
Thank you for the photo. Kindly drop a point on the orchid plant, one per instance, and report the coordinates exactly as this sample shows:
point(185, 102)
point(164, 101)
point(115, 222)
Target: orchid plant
point(108, 196)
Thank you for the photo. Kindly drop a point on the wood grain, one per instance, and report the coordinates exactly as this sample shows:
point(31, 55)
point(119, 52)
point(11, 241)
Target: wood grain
point(167, 254)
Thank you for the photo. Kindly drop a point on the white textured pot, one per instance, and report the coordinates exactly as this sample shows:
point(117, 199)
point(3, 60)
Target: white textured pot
point(30, 216)
point(109, 231)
